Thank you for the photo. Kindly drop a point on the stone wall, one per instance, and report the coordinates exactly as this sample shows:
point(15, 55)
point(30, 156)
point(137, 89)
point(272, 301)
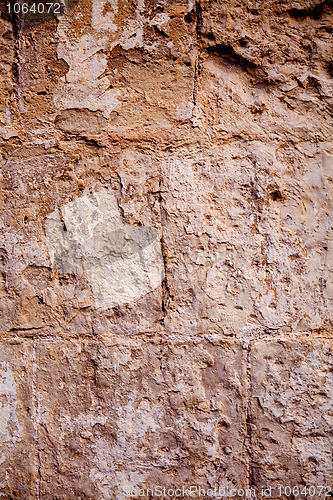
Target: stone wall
point(166, 250)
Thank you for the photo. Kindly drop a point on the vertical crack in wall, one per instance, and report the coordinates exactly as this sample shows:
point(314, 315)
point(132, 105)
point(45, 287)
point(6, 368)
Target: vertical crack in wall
point(194, 16)
point(165, 286)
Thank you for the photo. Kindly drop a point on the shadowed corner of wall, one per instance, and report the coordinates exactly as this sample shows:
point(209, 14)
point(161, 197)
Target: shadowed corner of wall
point(121, 262)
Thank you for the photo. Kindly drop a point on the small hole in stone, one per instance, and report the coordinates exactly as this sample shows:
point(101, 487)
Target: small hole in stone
point(276, 195)
point(243, 42)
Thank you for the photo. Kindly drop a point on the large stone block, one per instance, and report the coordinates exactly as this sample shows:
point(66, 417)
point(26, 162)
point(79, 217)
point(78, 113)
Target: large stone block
point(247, 238)
point(281, 53)
point(44, 297)
point(291, 414)
point(121, 413)
point(109, 61)
point(233, 103)
point(122, 262)
point(131, 64)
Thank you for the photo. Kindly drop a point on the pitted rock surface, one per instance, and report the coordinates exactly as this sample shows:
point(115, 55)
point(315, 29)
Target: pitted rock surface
point(166, 250)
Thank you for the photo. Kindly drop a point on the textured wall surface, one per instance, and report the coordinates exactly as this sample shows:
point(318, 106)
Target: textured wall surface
point(167, 250)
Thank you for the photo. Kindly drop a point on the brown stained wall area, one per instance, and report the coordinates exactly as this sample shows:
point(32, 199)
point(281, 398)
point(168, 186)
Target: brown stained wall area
point(166, 250)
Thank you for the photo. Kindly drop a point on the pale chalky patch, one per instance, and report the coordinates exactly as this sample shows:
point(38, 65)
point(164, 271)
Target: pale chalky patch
point(121, 262)
point(10, 432)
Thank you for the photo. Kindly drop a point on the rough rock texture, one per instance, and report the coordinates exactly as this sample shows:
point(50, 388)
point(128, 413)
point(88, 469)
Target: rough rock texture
point(117, 413)
point(291, 411)
point(166, 250)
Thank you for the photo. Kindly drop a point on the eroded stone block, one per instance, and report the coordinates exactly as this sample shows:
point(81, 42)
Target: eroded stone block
point(291, 413)
point(123, 413)
point(103, 71)
point(247, 238)
point(46, 300)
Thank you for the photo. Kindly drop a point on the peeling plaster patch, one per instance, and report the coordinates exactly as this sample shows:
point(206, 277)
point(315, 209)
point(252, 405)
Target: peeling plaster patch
point(121, 262)
point(93, 97)
point(10, 431)
point(103, 14)
point(183, 111)
point(84, 86)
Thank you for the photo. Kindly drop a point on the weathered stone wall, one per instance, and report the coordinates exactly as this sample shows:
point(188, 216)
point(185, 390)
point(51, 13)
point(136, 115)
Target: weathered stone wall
point(166, 249)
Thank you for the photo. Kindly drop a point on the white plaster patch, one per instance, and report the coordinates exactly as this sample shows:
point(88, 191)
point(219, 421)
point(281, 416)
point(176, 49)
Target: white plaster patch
point(121, 262)
point(10, 432)
point(103, 15)
point(182, 111)
point(84, 86)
